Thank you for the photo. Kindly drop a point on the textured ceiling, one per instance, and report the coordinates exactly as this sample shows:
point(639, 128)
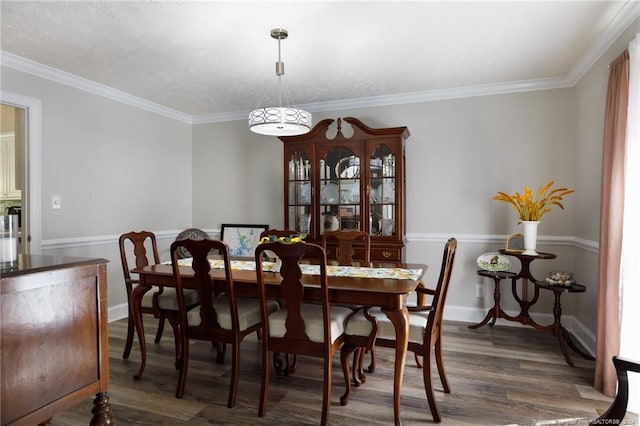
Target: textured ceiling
point(203, 58)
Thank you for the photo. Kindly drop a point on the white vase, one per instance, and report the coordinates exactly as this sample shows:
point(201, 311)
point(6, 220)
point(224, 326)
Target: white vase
point(530, 237)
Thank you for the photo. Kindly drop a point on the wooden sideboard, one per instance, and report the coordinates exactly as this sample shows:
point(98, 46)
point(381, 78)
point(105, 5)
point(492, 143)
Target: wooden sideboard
point(53, 332)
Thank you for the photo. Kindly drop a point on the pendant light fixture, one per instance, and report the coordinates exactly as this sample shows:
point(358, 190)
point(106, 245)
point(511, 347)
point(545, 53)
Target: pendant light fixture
point(283, 120)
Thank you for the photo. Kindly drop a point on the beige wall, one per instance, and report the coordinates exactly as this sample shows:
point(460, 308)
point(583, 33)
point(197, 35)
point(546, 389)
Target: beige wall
point(117, 168)
point(237, 176)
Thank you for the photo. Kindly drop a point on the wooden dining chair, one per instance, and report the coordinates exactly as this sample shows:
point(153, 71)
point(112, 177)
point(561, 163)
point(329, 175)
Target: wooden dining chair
point(303, 329)
point(287, 366)
point(222, 317)
point(371, 327)
point(352, 245)
point(163, 303)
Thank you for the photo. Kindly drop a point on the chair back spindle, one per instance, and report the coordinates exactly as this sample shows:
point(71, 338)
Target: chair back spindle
point(348, 241)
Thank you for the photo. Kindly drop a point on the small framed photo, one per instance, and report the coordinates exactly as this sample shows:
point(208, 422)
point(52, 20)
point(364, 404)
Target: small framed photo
point(242, 239)
point(514, 243)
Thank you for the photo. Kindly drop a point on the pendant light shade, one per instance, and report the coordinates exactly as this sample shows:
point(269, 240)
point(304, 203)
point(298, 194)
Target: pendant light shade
point(280, 120)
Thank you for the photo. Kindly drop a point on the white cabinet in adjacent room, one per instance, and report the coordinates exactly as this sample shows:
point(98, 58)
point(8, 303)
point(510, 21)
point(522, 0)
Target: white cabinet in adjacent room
point(8, 182)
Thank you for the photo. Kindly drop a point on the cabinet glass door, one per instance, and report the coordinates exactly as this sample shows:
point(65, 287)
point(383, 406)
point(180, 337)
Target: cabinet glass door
point(299, 193)
point(340, 207)
point(382, 192)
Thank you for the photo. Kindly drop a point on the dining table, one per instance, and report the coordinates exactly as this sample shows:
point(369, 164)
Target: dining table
point(379, 284)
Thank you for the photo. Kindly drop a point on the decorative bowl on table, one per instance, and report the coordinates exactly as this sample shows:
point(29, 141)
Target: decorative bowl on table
point(493, 261)
point(562, 278)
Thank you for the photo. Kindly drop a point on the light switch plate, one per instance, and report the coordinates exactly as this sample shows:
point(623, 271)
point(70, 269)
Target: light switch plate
point(56, 201)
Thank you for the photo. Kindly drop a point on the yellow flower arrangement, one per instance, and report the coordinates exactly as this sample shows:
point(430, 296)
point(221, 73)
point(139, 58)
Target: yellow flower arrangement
point(530, 207)
point(291, 239)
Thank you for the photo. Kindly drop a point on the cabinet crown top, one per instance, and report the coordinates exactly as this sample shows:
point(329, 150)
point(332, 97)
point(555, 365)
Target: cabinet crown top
point(360, 130)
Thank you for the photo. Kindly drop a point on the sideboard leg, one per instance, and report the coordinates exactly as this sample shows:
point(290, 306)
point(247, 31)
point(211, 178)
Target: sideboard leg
point(101, 411)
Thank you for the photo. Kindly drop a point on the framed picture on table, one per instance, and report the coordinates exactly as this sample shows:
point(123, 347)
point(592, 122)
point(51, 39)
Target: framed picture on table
point(242, 239)
point(514, 243)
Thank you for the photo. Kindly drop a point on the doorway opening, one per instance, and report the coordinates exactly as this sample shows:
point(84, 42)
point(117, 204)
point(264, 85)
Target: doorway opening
point(12, 179)
point(20, 160)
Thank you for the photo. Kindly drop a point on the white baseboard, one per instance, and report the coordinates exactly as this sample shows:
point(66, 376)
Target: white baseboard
point(465, 314)
point(474, 315)
point(115, 313)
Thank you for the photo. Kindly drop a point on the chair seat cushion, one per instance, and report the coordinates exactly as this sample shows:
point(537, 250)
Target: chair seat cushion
point(359, 325)
point(314, 327)
point(147, 300)
point(169, 301)
point(346, 305)
point(248, 312)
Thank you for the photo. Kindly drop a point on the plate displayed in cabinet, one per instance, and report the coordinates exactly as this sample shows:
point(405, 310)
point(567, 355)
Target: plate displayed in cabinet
point(349, 191)
point(348, 167)
point(330, 193)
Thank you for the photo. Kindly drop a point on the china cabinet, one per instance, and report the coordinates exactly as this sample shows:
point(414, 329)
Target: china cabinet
point(347, 176)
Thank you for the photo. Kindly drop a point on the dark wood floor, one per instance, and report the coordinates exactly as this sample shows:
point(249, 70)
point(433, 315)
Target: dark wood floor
point(499, 376)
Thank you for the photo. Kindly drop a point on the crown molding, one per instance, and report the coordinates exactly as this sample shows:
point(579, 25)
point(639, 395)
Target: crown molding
point(409, 98)
point(221, 117)
point(625, 17)
point(443, 94)
point(44, 71)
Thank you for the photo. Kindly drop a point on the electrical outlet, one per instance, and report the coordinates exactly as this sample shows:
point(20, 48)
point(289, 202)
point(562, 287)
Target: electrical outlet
point(56, 201)
point(479, 289)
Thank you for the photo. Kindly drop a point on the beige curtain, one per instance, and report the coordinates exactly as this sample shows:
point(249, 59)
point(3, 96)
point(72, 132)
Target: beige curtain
point(611, 213)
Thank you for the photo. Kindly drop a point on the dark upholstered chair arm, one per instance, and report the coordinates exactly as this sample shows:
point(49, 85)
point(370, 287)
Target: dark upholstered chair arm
point(616, 412)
